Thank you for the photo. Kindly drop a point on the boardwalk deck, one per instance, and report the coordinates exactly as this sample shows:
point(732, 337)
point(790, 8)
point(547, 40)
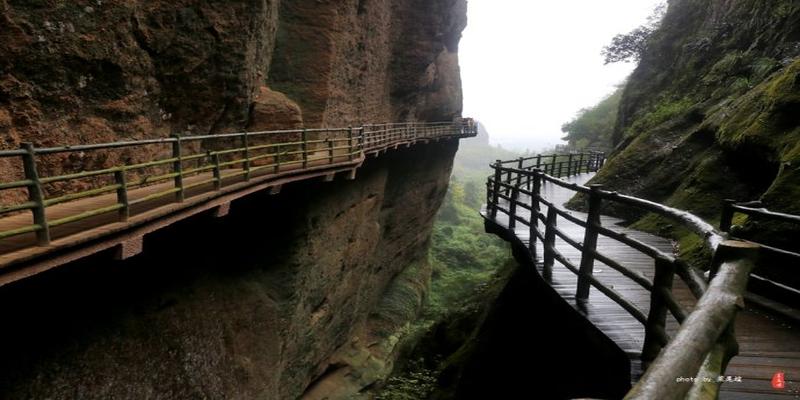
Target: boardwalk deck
point(767, 343)
point(92, 224)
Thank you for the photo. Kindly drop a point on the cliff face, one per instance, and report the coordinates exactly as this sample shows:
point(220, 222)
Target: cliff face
point(288, 291)
point(712, 110)
point(89, 71)
point(268, 302)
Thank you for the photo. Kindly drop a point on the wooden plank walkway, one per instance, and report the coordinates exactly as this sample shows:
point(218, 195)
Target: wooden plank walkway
point(767, 343)
point(24, 246)
point(20, 256)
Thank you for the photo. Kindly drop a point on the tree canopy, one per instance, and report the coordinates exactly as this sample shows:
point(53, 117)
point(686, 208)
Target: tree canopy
point(593, 127)
point(627, 47)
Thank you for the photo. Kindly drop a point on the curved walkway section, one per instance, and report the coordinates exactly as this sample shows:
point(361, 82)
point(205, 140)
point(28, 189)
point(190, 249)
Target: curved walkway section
point(52, 220)
point(618, 286)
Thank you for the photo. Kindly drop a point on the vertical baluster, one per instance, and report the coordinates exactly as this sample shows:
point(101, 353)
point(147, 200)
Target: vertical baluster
point(726, 219)
point(535, 210)
point(512, 220)
point(122, 194)
point(330, 150)
point(538, 161)
point(560, 169)
point(304, 148)
point(580, 163)
point(489, 194)
point(177, 167)
point(589, 242)
point(569, 165)
point(217, 171)
point(655, 329)
point(351, 146)
point(35, 194)
point(549, 243)
point(246, 146)
point(278, 149)
point(506, 189)
point(519, 167)
point(496, 191)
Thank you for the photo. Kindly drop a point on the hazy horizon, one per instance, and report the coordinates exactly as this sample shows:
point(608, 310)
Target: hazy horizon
point(530, 66)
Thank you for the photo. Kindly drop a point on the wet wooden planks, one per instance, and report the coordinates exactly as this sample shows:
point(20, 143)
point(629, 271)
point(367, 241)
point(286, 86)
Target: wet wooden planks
point(767, 343)
point(22, 246)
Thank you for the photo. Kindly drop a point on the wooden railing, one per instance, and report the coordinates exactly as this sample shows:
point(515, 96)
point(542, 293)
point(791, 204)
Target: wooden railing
point(211, 160)
point(755, 210)
point(705, 342)
point(776, 279)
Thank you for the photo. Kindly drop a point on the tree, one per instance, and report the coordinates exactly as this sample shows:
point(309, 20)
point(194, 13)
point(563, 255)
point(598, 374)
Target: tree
point(594, 127)
point(627, 47)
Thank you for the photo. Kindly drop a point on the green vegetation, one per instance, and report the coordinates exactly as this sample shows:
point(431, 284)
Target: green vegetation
point(659, 113)
point(467, 268)
point(627, 47)
point(593, 127)
point(463, 256)
point(417, 383)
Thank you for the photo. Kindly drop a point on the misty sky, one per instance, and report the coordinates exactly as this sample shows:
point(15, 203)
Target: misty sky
point(528, 66)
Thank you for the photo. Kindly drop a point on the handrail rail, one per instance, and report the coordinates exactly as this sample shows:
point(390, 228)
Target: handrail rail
point(755, 209)
point(238, 154)
point(707, 326)
point(698, 353)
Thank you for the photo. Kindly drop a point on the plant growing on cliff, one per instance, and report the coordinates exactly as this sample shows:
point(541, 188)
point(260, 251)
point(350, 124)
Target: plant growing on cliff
point(627, 47)
point(593, 127)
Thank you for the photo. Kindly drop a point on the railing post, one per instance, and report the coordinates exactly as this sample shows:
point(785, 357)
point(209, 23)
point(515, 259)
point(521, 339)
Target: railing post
point(519, 167)
point(35, 194)
point(589, 243)
point(305, 148)
point(553, 164)
point(535, 211)
point(246, 145)
point(538, 161)
point(549, 243)
point(496, 190)
point(278, 158)
point(569, 165)
point(489, 195)
point(330, 151)
point(177, 168)
point(580, 163)
point(512, 220)
point(350, 143)
point(655, 329)
point(122, 194)
point(506, 189)
point(726, 219)
point(560, 169)
point(217, 172)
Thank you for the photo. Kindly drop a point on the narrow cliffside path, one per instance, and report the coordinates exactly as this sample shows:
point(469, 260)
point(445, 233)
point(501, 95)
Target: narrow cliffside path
point(767, 344)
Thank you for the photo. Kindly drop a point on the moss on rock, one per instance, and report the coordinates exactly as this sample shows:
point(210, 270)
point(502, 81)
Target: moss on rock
point(712, 112)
